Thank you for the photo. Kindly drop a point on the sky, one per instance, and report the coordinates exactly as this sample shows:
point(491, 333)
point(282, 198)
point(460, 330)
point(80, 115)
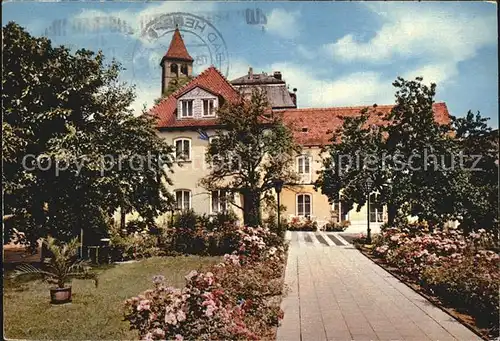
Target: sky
point(333, 53)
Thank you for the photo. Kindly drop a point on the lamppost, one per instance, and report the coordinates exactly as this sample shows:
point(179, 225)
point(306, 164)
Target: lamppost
point(278, 185)
point(368, 186)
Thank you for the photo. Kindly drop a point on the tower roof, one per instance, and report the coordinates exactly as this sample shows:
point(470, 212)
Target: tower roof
point(177, 49)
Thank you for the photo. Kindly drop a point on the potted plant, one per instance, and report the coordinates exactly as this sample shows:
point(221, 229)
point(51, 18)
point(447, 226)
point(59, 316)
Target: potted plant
point(60, 269)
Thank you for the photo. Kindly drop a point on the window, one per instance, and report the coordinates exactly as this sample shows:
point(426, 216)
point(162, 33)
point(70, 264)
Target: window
point(208, 107)
point(187, 108)
point(183, 199)
point(174, 69)
point(184, 69)
point(304, 205)
point(183, 149)
point(219, 201)
point(376, 209)
point(304, 164)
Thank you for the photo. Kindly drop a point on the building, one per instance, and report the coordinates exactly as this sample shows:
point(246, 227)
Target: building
point(274, 85)
point(187, 119)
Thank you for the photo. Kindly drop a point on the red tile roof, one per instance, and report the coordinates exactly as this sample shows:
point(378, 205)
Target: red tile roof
point(211, 80)
point(320, 123)
point(177, 49)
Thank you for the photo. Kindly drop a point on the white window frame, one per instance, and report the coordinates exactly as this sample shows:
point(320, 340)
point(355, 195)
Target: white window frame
point(377, 211)
point(301, 167)
point(183, 203)
point(183, 140)
point(222, 205)
point(186, 113)
point(304, 158)
point(297, 205)
point(208, 114)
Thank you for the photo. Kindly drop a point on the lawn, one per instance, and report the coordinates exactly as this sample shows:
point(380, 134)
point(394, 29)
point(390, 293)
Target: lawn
point(95, 313)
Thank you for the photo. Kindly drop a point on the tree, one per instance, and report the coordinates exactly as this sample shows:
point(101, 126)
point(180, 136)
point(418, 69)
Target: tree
point(413, 160)
point(477, 188)
point(77, 148)
point(174, 85)
point(252, 150)
point(347, 163)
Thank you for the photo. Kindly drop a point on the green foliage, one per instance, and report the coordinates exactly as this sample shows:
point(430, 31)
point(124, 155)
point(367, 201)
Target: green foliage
point(253, 150)
point(476, 191)
point(461, 270)
point(336, 226)
point(302, 224)
point(135, 242)
point(185, 219)
point(194, 234)
point(469, 285)
point(436, 188)
point(62, 266)
point(235, 300)
point(71, 109)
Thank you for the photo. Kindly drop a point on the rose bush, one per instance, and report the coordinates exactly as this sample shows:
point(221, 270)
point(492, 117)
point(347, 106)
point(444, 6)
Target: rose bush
point(302, 224)
point(336, 226)
point(202, 235)
point(462, 270)
point(235, 300)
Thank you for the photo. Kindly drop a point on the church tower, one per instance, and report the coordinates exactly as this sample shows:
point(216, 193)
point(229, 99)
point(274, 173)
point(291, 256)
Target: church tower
point(177, 62)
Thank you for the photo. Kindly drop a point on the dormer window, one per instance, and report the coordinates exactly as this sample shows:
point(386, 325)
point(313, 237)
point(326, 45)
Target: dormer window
point(187, 108)
point(208, 107)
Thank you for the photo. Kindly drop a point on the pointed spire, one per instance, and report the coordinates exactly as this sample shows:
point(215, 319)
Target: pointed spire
point(177, 49)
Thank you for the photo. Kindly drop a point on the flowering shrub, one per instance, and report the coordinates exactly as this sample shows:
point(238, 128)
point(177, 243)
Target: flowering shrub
point(302, 224)
point(202, 235)
point(469, 284)
point(232, 301)
point(135, 245)
point(201, 309)
point(460, 269)
point(337, 226)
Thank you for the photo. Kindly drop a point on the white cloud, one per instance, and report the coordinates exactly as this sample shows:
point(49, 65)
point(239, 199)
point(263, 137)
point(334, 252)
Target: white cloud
point(360, 88)
point(436, 38)
point(419, 32)
point(238, 67)
point(305, 52)
point(283, 24)
point(438, 73)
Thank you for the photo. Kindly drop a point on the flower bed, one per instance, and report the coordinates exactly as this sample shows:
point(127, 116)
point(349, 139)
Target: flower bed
point(236, 299)
point(462, 271)
point(334, 226)
point(302, 224)
point(190, 234)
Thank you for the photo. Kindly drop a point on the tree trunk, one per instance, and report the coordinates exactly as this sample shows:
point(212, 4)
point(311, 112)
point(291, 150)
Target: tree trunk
point(251, 208)
point(391, 214)
point(122, 218)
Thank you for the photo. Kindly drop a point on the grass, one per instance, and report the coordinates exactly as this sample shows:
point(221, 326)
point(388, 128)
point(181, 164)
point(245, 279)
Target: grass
point(95, 313)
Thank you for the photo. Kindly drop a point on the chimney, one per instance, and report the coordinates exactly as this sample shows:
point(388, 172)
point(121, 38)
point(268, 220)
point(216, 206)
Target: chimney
point(250, 73)
point(293, 95)
point(277, 75)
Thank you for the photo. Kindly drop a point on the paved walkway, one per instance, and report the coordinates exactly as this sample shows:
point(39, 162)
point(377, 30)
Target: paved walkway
point(336, 293)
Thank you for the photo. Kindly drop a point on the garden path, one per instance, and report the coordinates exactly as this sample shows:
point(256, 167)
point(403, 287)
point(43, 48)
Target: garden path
point(336, 293)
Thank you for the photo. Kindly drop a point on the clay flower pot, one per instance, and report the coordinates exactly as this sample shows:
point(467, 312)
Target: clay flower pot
point(60, 295)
